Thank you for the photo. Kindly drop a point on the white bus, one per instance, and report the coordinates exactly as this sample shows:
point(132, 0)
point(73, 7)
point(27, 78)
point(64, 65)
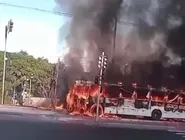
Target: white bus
point(124, 100)
point(148, 102)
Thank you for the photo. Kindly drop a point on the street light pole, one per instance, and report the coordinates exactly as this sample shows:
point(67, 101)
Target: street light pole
point(8, 29)
point(54, 102)
point(102, 65)
point(29, 91)
point(30, 88)
point(4, 66)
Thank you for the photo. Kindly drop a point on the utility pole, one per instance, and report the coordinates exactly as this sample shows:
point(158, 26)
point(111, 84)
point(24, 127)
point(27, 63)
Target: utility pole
point(56, 75)
point(8, 29)
point(30, 88)
point(114, 37)
point(102, 64)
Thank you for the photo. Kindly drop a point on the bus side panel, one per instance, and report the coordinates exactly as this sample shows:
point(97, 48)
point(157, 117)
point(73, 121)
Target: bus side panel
point(127, 111)
point(127, 107)
point(173, 114)
point(111, 110)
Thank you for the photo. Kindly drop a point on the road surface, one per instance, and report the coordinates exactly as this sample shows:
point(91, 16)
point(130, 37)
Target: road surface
point(33, 124)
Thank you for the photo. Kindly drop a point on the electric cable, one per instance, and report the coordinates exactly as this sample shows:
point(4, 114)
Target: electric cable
point(55, 12)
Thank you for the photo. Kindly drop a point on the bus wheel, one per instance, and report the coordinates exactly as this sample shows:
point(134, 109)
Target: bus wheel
point(156, 114)
point(70, 108)
point(94, 108)
point(82, 111)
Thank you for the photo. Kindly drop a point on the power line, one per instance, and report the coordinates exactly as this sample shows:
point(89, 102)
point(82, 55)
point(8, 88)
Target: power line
point(55, 12)
point(37, 9)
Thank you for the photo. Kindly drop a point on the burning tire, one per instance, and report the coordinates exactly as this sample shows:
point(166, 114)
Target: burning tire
point(82, 110)
point(93, 110)
point(156, 114)
point(69, 108)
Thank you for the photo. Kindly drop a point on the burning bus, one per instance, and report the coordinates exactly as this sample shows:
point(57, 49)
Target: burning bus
point(118, 99)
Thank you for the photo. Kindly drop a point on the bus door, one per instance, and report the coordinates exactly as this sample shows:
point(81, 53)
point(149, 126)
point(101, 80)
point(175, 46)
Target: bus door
point(111, 100)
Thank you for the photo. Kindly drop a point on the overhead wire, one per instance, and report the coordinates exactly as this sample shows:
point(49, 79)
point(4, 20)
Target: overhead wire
point(54, 12)
point(36, 9)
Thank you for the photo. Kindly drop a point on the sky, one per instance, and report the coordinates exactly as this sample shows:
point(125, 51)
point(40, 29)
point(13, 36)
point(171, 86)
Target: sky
point(34, 32)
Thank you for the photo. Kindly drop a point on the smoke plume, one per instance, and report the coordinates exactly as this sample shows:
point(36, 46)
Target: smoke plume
point(90, 33)
point(155, 39)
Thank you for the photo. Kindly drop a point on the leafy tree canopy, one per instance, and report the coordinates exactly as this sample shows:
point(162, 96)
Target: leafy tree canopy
point(22, 66)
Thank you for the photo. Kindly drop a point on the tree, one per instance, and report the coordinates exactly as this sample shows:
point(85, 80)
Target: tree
point(21, 66)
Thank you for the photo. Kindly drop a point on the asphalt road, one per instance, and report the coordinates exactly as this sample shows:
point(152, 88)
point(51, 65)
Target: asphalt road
point(21, 128)
point(51, 126)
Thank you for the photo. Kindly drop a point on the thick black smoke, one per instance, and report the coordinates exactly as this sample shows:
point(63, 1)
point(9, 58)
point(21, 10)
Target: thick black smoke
point(90, 33)
point(153, 48)
point(165, 20)
point(164, 16)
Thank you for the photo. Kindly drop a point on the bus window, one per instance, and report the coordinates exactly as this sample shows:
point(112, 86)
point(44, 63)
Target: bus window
point(125, 93)
point(116, 92)
point(180, 99)
point(113, 91)
point(141, 94)
point(183, 99)
point(173, 98)
point(158, 96)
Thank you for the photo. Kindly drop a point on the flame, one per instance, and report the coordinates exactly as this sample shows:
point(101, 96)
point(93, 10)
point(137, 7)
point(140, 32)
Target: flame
point(59, 107)
point(78, 98)
point(81, 99)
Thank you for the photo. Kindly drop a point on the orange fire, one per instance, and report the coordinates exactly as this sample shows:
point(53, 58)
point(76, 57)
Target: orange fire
point(78, 98)
point(59, 107)
point(82, 97)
